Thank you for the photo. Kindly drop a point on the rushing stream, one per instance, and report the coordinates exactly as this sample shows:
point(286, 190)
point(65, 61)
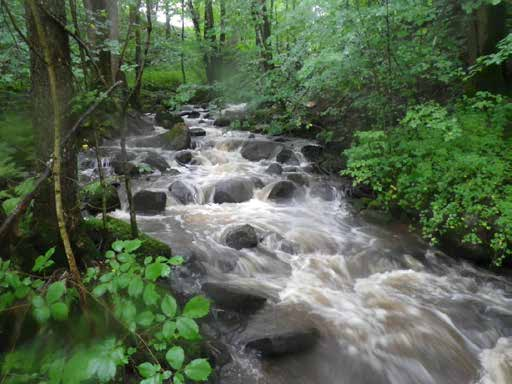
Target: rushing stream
point(388, 308)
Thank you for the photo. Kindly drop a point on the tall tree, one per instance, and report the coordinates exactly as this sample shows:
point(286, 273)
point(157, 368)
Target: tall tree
point(210, 38)
point(263, 32)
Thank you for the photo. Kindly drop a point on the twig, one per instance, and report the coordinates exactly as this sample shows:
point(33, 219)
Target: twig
point(23, 204)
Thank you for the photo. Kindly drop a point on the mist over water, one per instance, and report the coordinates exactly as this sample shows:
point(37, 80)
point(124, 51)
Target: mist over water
point(389, 309)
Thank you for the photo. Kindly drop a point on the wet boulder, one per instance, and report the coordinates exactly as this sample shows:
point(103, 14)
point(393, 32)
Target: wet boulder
point(283, 343)
point(323, 191)
point(274, 169)
point(287, 156)
point(240, 237)
point(92, 197)
point(138, 124)
point(256, 150)
point(298, 178)
point(235, 190)
point(167, 119)
point(312, 152)
point(222, 122)
point(190, 114)
point(182, 192)
point(233, 298)
point(176, 139)
point(197, 132)
point(120, 168)
point(149, 202)
point(258, 183)
point(156, 161)
point(183, 157)
point(283, 190)
point(173, 172)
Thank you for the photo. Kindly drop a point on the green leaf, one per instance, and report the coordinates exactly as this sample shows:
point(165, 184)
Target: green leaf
point(176, 260)
point(38, 301)
point(59, 311)
point(156, 270)
point(197, 307)
point(187, 328)
point(136, 286)
point(198, 370)
point(168, 329)
point(100, 289)
point(147, 369)
point(175, 357)
point(103, 368)
point(150, 296)
point(118, 246)
point(169, 306)
point(42, 314)
point(145, 318)
point(129, 311)
point(178, 379)
point(132, 245)
point(55, 292)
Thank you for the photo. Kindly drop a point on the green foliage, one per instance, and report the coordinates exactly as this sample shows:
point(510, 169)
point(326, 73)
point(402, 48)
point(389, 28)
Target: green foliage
point(151, 340)
point(451, 168)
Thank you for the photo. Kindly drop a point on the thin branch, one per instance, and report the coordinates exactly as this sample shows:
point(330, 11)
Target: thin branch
point(24, 203)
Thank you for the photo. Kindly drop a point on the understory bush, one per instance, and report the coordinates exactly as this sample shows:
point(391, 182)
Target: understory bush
point(131, 329)
point(452, 169)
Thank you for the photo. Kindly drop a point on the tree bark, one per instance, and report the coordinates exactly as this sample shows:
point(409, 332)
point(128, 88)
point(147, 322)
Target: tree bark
point(210, 40)
point(135, 20)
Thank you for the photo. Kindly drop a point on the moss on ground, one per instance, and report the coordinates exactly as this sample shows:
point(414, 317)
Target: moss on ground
point(119, 230)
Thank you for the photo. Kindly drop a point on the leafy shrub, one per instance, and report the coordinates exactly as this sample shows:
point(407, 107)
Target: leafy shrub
point(133, 327)
point(451, 168)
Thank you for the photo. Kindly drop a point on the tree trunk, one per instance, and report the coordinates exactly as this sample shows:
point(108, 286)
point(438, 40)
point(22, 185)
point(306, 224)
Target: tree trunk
point(182, 54)
point(113, 16)
point(135, 20)
point(263, 32)
point(167, 20)
point(210, 39)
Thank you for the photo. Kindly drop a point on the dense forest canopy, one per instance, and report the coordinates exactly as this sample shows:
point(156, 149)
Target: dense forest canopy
point(409, 101)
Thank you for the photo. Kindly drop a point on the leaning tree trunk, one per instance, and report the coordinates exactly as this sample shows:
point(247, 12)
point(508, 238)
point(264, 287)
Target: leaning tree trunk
point(56, 206)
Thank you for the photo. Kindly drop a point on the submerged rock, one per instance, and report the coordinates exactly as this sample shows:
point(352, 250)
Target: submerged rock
point(256, 150)
point(274, 169)
point(235, 190)
point(174, 172)
point(283, 190)
point(324, 191)
point(233, 298)
point(284, 343)
point(298, 178)
point(197, 132)
point(182, 192)
point(222, 122)
point(183, 157)
point(156, 161)
point(239, 237)
point(149, 202)
point(190, 114)
point(287, 156)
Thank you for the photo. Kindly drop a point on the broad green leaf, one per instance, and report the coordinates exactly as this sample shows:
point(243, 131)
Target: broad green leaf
point(136, 286)
point(175, 357)
point(55, 292)
point(168, 329)
point(118, 246)
point(103, 368)
point(100, 289)
point(59, 311)
point(169, 306)
point(198, 370)
point(145, 318)
point(147, 369)
point(150, 296)
point(156, 270)
point(132, 245)
point(197, 307)
point(178, 379)
point(38, 301)
point(42, 314)
point(187, 328)
point(176, 260)
point(129, 311)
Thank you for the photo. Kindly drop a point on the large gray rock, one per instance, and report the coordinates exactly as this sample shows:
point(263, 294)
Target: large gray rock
point(284, 342)
point(182, 192)
point(167, 119)
point(138, 124)
point(176, 139)
point(149, 202)
point(274, 169)
point(222, 122)
point(233, 298)
point(197, 132)
point(298, 178)
point(287, 156)
point(235, 190)
point(312, 152)
point(119, 168)
point(239, 237)
point(190, 114)
point(156, 161)
point(283, 190)
point(256, 150)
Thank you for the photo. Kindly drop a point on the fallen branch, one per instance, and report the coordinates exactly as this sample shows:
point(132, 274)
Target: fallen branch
point(23, 204)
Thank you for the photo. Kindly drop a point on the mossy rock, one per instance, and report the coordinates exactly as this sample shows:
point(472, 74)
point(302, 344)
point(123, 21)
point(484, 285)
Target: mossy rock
point(167, 119)
point(120, 230)
point(91, 196)
point(177, 138)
